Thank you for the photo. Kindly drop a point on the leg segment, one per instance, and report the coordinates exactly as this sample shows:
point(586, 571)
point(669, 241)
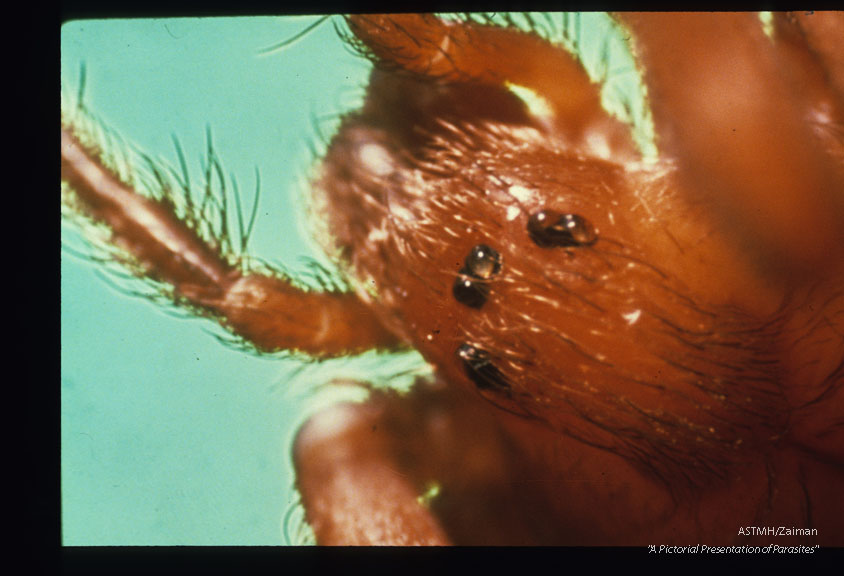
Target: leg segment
point(265, 310)
point(823, 32)
point(429, 467)
point(739, 111)
point(470, 53)
point(351, 487)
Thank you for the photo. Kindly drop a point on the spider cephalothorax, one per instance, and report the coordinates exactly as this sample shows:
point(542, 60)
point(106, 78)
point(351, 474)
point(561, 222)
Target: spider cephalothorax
point(608, 318)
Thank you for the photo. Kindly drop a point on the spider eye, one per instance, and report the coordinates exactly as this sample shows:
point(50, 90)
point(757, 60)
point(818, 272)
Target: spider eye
point(470, 291)
point(483, 262)
point(480, 370)
point(548, 228)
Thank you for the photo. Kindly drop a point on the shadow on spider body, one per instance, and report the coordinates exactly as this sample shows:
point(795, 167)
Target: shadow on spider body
point(630, 348)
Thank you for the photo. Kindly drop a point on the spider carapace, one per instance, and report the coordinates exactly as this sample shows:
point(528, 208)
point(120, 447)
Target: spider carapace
point(630, 347)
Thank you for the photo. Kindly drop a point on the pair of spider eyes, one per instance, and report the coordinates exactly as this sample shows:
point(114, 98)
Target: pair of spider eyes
point(471, 286)
point(546, 228)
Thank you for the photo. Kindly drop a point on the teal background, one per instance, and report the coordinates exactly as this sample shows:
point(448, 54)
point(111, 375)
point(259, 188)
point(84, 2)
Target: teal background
point(170, 437)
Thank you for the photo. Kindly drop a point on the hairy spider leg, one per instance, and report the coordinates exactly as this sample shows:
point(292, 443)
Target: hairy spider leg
point(739, 110)
point(265, 310)
point(471, 53)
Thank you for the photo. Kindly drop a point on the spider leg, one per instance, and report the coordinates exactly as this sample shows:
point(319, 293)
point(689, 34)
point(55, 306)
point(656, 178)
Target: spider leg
point(343, 466)
point(265, 310)
point(467, 52)
point(823, 32)
point(426, 467)
point(740, 112)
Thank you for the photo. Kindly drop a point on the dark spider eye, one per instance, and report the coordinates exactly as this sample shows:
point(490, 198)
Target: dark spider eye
point(481, 371)
point(483, 262)
point(469, 290)
point(548, 228)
